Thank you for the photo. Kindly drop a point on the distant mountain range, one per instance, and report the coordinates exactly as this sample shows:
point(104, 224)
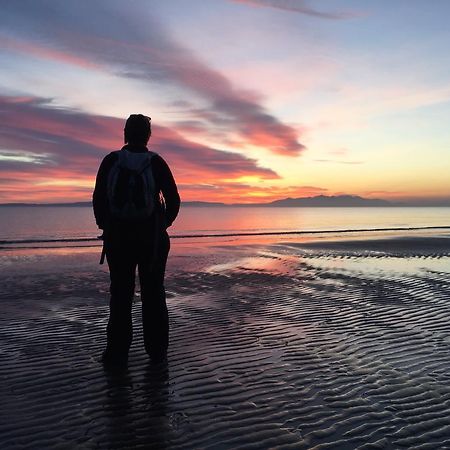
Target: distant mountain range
point(317, 201)
point(339, 200)
point(320, 200)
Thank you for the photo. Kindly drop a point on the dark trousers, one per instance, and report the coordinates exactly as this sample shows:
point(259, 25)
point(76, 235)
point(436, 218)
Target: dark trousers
point(124, 254)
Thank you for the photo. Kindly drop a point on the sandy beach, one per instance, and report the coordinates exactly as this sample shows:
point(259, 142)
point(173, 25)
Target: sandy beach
point(288, 343)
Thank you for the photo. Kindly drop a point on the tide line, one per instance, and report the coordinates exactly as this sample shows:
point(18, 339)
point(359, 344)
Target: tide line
point(6, 243)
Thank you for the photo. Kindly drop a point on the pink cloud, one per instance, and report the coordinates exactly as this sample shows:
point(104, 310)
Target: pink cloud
point(44, 52)
point(114, 37)
point(45, 145)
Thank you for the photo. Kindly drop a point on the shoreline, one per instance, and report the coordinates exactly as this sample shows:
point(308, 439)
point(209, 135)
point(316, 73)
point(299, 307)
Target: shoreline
point(344, 234)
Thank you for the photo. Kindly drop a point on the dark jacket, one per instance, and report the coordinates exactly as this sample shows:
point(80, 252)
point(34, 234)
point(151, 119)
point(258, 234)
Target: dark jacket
point(167, 206)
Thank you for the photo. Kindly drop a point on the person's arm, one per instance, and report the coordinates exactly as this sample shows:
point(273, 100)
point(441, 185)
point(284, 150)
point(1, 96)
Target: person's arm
point(166, 183)
point(100, 195)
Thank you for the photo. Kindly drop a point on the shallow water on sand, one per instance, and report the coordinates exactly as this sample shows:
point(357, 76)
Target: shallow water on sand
point(37, 224)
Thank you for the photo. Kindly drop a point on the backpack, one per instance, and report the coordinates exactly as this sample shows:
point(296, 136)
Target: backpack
point(131, 186)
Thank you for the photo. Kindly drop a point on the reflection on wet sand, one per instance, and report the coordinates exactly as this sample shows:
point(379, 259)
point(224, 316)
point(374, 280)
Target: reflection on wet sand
point(272, 345)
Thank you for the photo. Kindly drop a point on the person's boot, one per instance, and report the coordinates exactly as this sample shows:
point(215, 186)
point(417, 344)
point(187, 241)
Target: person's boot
point(110, 359)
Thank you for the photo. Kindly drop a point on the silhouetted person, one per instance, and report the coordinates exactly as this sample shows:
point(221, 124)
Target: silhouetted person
point(135, 200)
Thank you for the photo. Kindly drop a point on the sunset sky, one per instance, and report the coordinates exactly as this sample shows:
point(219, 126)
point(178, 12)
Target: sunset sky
point(251, 100)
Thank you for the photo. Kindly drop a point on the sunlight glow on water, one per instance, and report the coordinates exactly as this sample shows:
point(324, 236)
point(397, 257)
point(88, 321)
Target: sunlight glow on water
point(78, 222)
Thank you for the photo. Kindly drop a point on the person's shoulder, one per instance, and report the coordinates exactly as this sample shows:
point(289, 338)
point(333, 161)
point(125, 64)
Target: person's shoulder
point(154, 155)
point(111, 157)
point(160, 168)
point(108, 162)
point(157, 159)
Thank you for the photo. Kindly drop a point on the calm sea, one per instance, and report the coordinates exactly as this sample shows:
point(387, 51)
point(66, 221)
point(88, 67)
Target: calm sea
point(23, 225)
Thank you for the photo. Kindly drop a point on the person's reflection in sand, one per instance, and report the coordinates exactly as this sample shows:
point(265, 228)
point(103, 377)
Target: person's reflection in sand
point(156, 397)
point(120, 426)
point(136, 409)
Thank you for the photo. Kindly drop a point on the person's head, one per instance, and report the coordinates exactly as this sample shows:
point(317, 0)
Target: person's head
point(137, 129)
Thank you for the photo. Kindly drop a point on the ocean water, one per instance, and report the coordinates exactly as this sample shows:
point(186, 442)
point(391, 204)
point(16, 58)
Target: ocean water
point(22, 225)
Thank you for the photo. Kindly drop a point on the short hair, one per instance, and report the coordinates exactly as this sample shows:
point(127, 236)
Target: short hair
point(137, 129)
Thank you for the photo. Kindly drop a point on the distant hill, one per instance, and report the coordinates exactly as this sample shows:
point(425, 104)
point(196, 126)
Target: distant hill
point(74, 204)
point(317, 201)
point(327, 201)
point(204, 204)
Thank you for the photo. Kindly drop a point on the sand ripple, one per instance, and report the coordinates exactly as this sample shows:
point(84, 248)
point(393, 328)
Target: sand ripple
point(280, 347)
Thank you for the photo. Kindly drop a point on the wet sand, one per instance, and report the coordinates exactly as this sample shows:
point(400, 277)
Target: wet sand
point(327, 344)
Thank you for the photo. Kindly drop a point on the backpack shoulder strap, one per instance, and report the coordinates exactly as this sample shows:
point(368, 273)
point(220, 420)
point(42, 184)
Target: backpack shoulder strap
point(122, 157)
point(115, 158)
point(112, 176)
point(147, 162)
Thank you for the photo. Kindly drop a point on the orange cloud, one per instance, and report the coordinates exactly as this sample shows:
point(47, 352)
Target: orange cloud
point(53, 154)
point(245, 193)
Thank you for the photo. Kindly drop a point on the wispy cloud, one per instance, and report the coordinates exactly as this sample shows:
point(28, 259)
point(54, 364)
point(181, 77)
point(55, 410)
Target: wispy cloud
point(42, 51)
point(337, 161)
point(245, 193)
point(27, 157)
point(339, 152)
point(41, 143)
point(136, 45)
point(299, 6)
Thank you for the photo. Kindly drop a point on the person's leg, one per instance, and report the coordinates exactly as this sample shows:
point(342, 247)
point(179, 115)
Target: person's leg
point(122, 270)
point(155, 317)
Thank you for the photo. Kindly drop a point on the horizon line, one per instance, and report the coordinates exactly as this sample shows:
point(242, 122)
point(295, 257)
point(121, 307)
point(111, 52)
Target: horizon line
point(372, 202)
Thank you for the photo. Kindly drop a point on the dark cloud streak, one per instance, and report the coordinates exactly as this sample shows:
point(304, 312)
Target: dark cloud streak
point(74, 142)
point(299, 6)
point(114, 34)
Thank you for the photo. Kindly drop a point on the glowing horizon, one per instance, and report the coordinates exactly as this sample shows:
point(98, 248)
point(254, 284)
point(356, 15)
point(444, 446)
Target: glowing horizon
point(251, 100)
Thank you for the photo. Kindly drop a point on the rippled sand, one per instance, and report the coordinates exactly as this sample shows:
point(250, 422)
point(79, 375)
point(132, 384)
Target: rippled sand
point(337, 345)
